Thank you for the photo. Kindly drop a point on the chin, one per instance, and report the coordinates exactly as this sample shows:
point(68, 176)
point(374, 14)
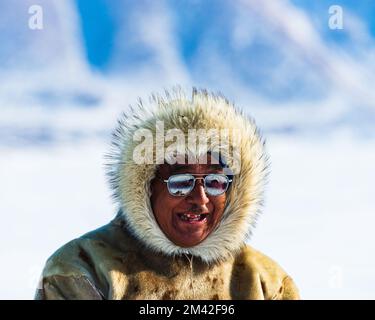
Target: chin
point(191, 243)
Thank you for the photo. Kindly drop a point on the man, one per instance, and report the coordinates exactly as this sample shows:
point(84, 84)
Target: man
point(185, 211)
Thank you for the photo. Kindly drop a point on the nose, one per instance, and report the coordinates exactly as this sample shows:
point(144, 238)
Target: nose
point(198, 195)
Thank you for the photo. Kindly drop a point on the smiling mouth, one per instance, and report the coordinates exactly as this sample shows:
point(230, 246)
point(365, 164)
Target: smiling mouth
point(192, 217)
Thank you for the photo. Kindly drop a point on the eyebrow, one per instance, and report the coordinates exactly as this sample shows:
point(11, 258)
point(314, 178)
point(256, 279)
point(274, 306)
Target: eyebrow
point(186, 167)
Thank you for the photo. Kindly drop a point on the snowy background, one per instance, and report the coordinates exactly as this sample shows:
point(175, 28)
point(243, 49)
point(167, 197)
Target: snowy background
point(310, 88)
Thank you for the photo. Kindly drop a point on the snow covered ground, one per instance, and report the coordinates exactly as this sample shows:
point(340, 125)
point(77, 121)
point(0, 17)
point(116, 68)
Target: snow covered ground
point(317, 221)
point(319, 215)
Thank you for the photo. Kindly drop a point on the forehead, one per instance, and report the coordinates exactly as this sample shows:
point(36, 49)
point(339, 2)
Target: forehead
point(196, 168)
point(167, 169)
point(208, 164)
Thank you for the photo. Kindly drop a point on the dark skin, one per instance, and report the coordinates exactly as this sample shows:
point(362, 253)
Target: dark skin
point(167, 207)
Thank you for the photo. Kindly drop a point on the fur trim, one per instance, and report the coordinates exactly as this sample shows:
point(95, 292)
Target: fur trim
point(245, 197)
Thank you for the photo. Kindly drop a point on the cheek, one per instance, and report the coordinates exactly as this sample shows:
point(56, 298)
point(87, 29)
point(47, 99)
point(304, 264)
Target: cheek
point(219, 204)
point(163, 204)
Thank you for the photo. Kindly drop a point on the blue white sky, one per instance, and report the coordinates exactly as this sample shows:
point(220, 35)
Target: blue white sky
point(279, 60)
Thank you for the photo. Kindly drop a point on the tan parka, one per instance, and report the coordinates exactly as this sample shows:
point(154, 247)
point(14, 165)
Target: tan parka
point(131, 258)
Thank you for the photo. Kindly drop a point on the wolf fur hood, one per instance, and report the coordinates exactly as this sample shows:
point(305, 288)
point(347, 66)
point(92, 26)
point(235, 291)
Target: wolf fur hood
point(131, 258)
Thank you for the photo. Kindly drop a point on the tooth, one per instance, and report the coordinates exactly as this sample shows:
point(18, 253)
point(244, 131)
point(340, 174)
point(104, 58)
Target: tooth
point(192, 217)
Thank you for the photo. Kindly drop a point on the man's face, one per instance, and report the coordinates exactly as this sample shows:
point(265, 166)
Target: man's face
point(168, 209)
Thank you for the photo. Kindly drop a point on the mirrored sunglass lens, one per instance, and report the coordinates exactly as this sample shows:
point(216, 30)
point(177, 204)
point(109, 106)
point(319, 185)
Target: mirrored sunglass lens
point(180, 185)
point(216, 184)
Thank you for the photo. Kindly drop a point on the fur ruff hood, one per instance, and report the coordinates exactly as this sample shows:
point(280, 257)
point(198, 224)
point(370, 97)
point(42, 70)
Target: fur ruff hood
point(130, 181)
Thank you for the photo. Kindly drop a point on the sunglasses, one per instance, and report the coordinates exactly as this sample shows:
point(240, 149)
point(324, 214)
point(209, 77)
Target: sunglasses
point(180, 185)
